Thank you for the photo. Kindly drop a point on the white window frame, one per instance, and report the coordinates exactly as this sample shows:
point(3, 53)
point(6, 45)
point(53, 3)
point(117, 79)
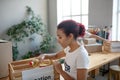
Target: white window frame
point(60, 16)
point(116, 21)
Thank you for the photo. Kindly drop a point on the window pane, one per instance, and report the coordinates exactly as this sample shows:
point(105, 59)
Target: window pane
point(84, 6)
point(59, 11)
point(66, 18)
point(76, 9)
point(118, 35)
point(76, 18)
point(66, 7)
point(85, 21)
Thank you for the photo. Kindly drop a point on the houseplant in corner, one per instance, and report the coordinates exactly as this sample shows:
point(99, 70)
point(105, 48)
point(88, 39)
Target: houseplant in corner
point(32, 24)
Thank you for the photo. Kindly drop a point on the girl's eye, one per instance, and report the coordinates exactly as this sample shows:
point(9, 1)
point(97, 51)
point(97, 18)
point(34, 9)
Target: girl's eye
point(59, 37)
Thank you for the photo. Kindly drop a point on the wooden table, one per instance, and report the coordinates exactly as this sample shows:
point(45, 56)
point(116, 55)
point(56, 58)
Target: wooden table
point(99, 59)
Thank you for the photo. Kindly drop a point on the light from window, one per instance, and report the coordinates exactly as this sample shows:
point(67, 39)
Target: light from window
point(73, 9)
point(116, 20)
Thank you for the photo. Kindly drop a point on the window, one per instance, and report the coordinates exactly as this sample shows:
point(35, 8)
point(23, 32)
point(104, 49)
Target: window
point(116, 20)
point(73, 9)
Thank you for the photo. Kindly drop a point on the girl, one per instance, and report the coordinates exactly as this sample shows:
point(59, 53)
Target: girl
point(76, 57)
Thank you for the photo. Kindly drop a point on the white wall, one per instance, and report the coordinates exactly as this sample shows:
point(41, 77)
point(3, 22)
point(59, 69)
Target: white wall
point(100, 12)
point(52, 16)
point(14, 11)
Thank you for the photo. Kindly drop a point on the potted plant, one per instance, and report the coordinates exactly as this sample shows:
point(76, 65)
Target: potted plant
point(32, 24)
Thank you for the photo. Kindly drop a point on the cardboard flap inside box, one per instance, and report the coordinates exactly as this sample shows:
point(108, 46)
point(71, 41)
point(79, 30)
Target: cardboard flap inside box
point(91, 48)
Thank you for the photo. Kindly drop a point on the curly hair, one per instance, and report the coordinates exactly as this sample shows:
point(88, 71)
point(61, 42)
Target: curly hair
point(81, 29)
point(71, 26)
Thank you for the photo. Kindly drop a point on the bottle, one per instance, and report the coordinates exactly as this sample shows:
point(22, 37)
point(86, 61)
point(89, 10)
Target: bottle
point(34, 62)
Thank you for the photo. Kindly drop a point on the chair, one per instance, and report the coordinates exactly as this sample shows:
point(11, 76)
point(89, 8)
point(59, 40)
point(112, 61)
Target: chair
point(114, 72)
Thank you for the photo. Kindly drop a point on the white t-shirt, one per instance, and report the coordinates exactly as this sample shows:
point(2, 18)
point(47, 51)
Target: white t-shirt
point(77, 59)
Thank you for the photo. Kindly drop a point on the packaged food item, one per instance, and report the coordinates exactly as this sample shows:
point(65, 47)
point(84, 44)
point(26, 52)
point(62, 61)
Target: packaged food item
point(35, 62)
point(45, 62)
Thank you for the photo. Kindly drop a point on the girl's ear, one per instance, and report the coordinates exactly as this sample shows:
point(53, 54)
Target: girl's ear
point(71, 36)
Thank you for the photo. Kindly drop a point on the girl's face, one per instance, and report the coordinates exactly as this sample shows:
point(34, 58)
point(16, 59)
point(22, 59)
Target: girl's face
point(63, 40)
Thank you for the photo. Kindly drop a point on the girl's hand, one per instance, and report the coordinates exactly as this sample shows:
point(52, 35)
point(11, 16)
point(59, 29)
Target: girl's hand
point(40, 57)
point(58, 66)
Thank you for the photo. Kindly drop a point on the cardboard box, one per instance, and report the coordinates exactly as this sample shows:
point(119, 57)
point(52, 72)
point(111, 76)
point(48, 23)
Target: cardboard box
point(22, 70)
point(91, 48)
point(114, 46)
point(5, 57)
point(89, 41)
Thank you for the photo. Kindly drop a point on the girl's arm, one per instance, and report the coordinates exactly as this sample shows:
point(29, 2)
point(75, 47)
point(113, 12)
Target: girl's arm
point(66, 76)
point(98, 37)
point(88, 34)
point(81, 74)
point(58, 55)
point(59, 69)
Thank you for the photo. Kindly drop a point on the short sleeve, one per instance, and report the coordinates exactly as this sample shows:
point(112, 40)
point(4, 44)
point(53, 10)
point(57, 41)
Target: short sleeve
point(83, 61)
